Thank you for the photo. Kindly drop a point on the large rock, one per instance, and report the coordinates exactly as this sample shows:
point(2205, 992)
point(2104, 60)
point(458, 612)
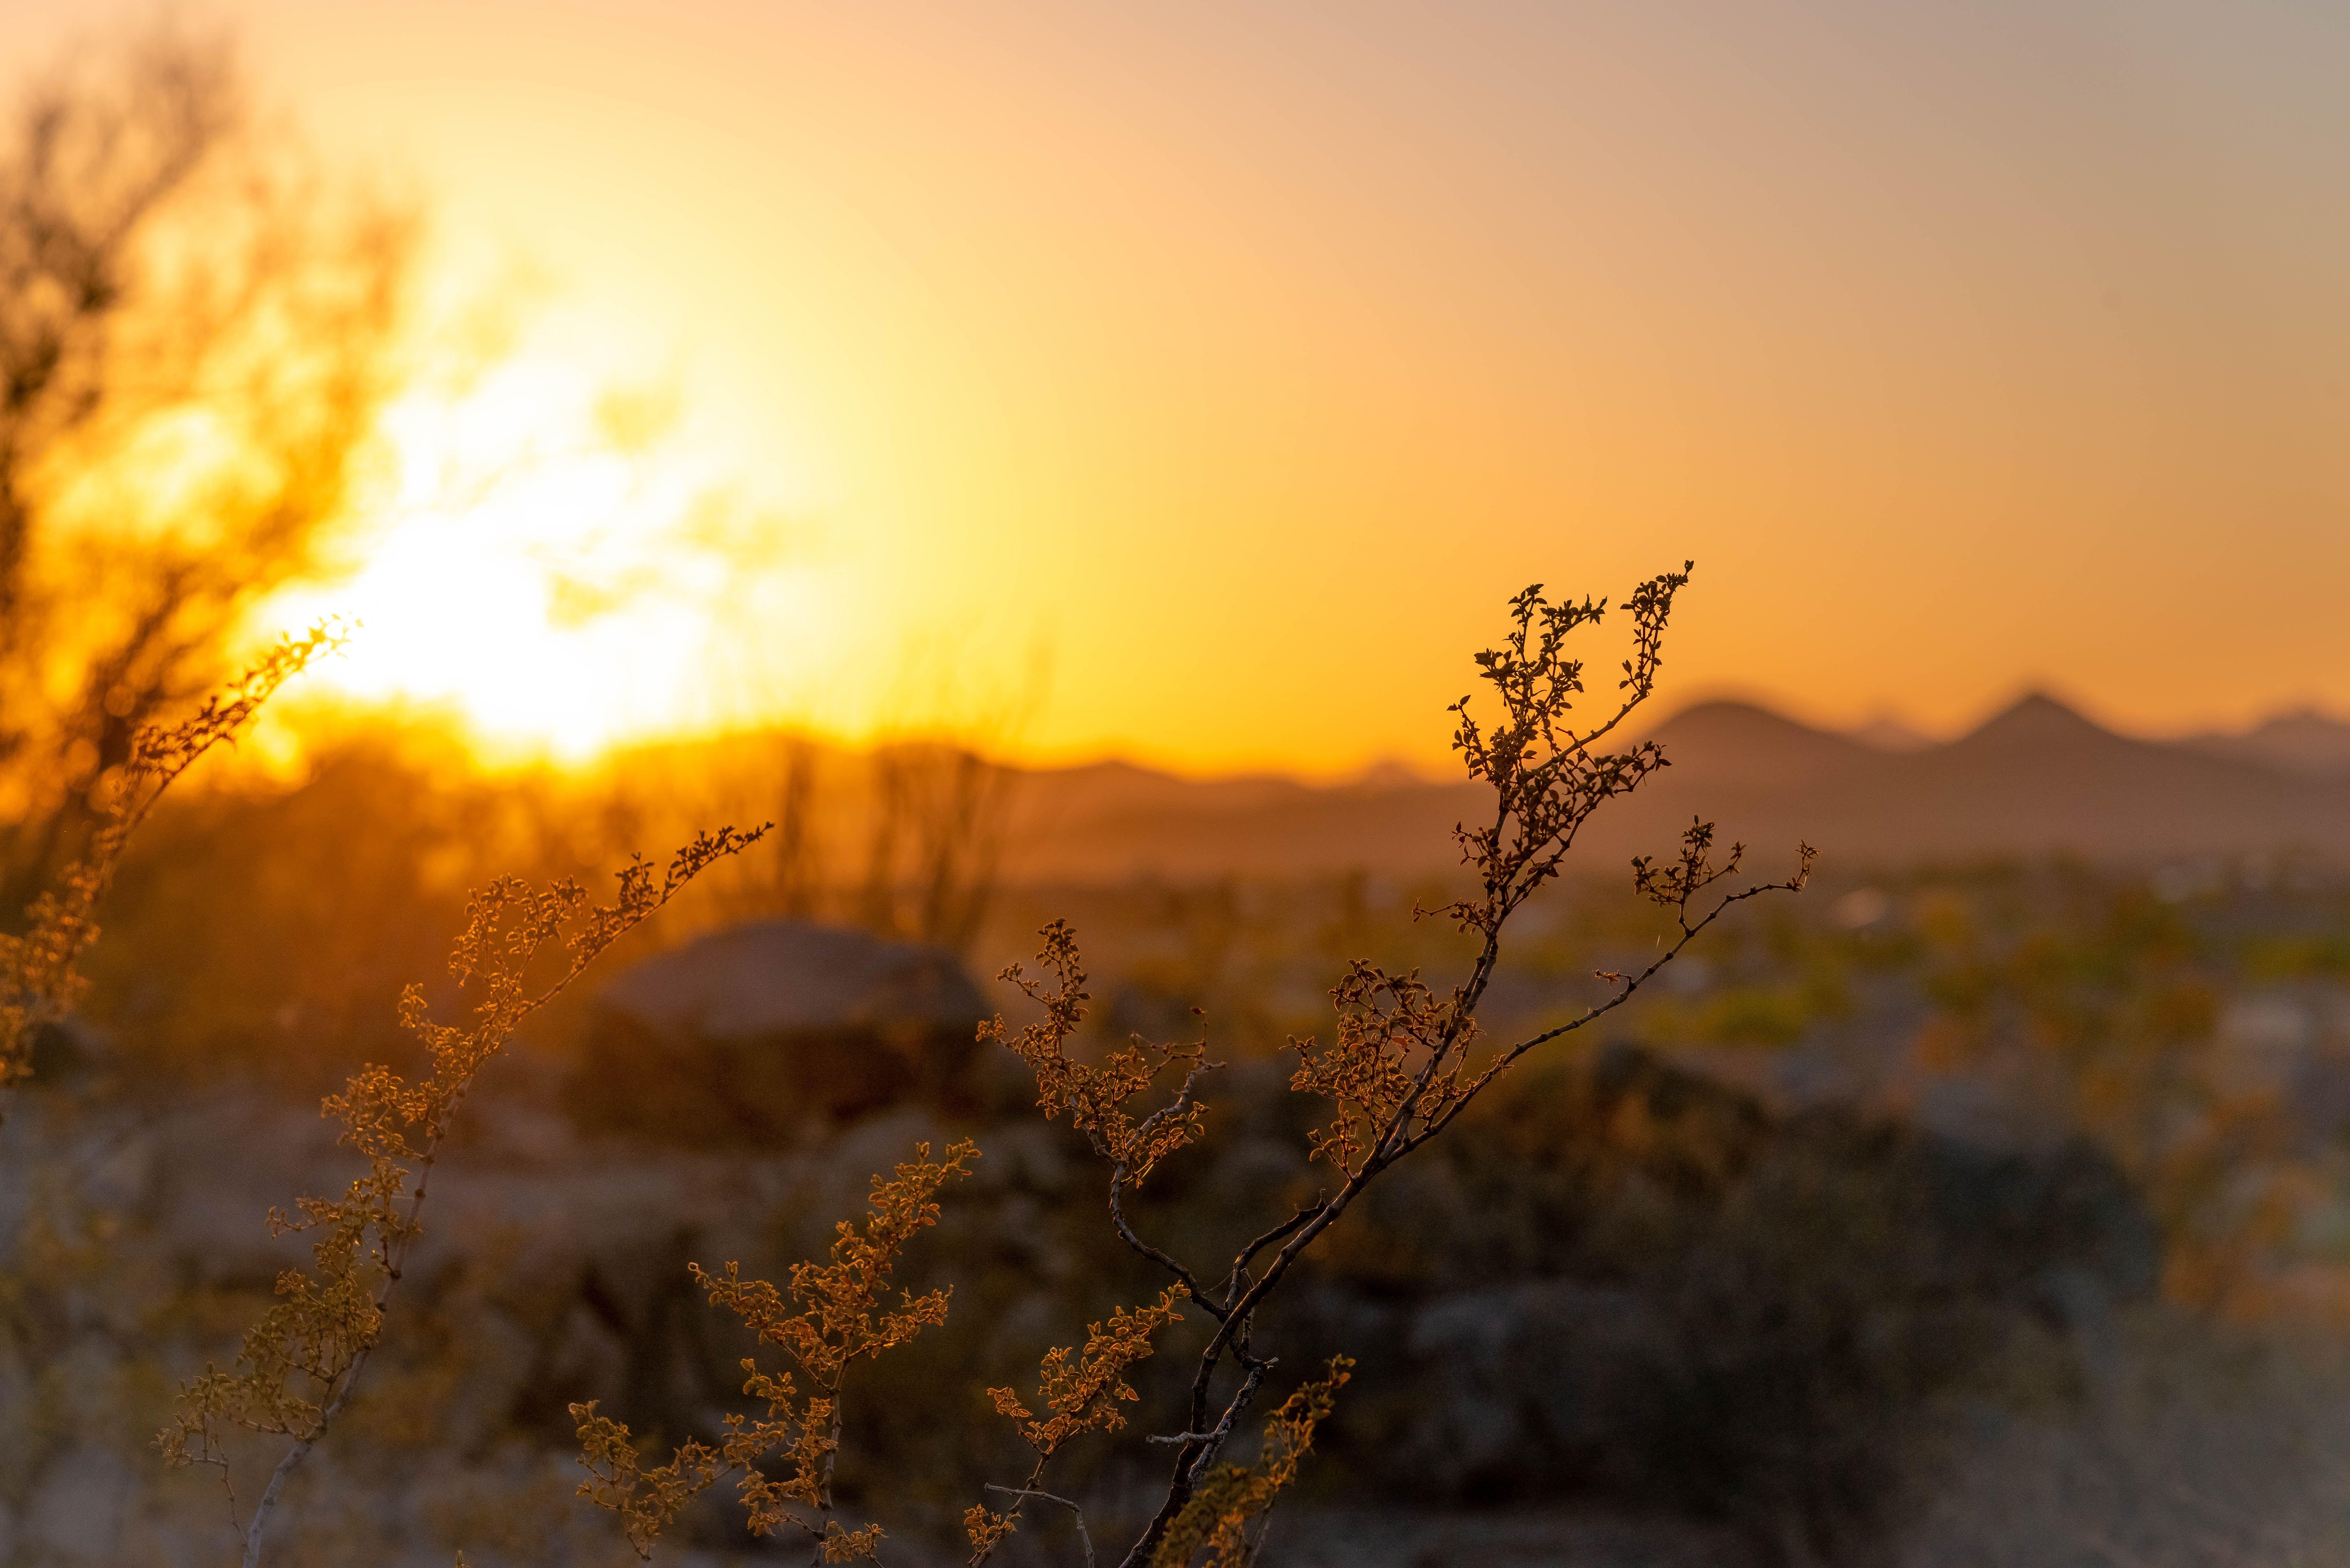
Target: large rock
point(756, 1032)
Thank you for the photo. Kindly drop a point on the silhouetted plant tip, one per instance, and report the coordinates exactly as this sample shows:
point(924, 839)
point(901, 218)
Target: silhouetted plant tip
point(40, 977)
point(1403, 1063)
point(299, 1366)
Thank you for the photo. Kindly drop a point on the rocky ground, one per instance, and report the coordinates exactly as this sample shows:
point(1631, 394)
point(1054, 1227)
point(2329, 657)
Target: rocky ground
point(1645, 1309)
point(1492, 1392)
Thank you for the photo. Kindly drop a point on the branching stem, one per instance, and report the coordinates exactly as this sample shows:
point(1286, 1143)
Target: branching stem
point(1075, 1512)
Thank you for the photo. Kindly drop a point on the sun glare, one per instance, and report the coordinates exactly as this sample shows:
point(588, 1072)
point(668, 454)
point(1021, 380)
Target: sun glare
point(565, 567)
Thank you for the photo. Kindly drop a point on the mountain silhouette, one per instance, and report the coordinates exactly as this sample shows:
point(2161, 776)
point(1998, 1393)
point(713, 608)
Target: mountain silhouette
point(2036, 778)
point(2304, 741)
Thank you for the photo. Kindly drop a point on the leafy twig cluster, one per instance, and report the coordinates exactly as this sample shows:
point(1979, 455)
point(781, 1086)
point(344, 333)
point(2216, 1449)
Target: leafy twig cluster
point(1235, 1497)
point(1095, 1097)
point(842, 1320)
point(299, 1366)
point(1082, 1389)
point(40, 977)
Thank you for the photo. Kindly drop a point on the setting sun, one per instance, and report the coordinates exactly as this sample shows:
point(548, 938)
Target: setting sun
point(560, 568)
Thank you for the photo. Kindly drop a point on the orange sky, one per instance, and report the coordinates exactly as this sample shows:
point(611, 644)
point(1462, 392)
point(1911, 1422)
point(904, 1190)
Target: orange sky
point(1248, 357)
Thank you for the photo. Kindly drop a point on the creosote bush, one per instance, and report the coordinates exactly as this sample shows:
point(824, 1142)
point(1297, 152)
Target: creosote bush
point(1403, 1063)
point(300, 1364)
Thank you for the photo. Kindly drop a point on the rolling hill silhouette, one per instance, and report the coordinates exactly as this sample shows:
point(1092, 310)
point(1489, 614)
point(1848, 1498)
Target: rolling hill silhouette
point(2036, 779)
point(2302, 741)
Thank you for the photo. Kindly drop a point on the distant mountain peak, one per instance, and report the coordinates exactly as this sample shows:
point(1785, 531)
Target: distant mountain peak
point(1731, 741)
point(2036, 778)
point(2307, 720)
point(2304, 740)
point(2036, 719)
point(1730, 715)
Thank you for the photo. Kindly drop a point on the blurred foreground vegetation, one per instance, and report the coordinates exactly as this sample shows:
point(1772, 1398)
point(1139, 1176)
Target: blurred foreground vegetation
point(1946, 1179)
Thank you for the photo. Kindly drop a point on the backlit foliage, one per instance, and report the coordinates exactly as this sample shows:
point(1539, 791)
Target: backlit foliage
point(300, 1364)
point(1546, 777)
point(647, 1500)
point(832, 1315)
point(1388, 1026)
point(1217, 1519)
point(1081, 1390)
point(1400, 1068)
point(1096, 1098)
point(40, 977)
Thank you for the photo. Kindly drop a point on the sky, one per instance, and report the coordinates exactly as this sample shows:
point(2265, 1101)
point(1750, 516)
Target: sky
point(1195, 382)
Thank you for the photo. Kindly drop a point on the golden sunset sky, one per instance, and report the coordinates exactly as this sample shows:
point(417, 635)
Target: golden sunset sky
point(1245, 359)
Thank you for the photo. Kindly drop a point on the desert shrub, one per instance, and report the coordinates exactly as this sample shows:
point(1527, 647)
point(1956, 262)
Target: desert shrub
point(297, 1368)
point(1404, 1062)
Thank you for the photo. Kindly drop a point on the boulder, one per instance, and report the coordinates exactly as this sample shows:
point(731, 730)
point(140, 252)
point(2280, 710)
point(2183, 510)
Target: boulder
point(752, 1034)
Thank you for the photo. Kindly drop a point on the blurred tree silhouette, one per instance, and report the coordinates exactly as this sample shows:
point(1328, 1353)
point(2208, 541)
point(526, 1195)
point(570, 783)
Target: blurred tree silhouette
point(195, 334)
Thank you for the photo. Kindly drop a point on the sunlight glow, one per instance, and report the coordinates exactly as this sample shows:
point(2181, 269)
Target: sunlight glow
point(565, 569)
point(1252, 356)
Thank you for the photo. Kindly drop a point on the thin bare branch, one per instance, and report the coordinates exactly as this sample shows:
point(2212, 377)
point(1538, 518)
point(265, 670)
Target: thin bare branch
point(1075, 1512)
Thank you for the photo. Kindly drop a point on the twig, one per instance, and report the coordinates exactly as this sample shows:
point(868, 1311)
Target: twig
point(1075, 1512)
point(1182, 1275)
point(1213, 1443)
